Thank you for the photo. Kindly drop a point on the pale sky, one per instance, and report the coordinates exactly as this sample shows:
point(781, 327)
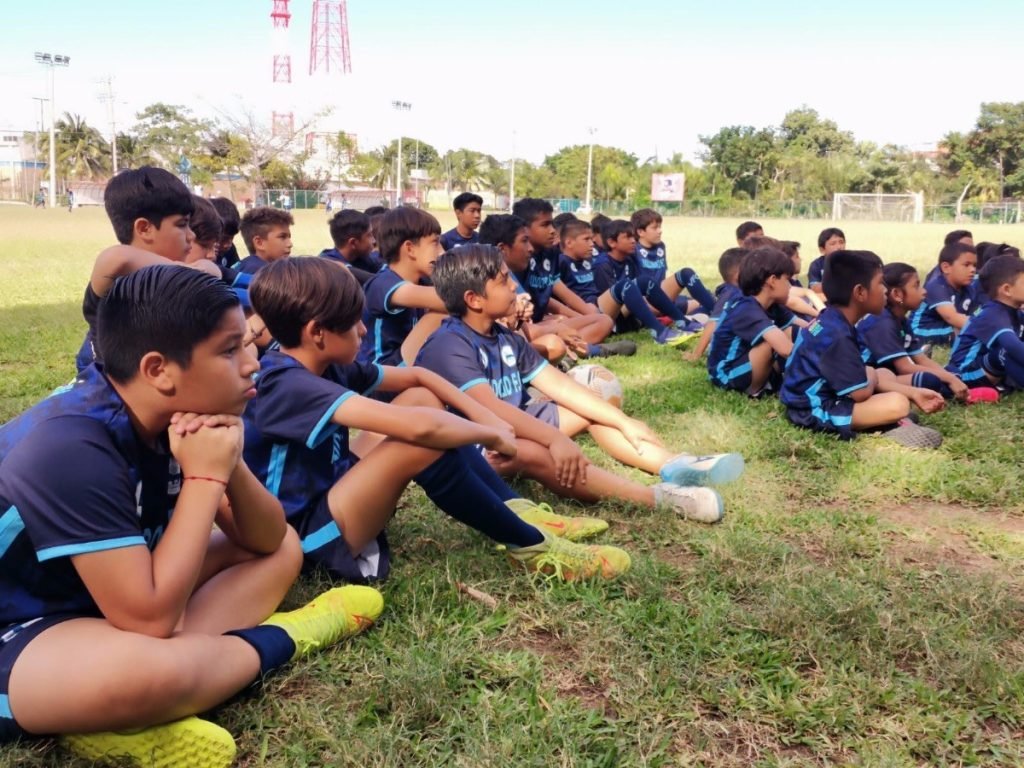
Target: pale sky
point(649, 75)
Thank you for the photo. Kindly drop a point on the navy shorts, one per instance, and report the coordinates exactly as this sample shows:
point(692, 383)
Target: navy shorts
point(545, 410)
point(12, 642)
point(834, 416)
point(323, 546)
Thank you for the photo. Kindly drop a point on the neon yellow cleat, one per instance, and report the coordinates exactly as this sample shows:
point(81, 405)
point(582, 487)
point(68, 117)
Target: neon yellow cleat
point(572, 562)
point(190, 741)
point(337, 613)
point(545, 519)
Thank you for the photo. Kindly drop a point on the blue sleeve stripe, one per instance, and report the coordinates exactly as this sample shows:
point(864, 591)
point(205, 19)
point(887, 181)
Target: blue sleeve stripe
point(387, 299)
point(275, 468)
point(69, 550)
point(529, 377)
point(472, 383)
point(380, 377)
point(757, 339)
point(320, 537)
point(995, 336)
point(893, 356)
point(854, 388)
point(5, 707)
point(11, 525)
point(939, 304)
point(324, 428)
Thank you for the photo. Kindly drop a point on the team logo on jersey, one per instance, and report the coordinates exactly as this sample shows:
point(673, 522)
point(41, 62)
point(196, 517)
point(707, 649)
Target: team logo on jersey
point(573, 267)
point(967, 304)
point(483, 358)
point(643, 252)
point(508, 355)
point(547, 265)
point(661, 252)
point(533, 263)
point(173, 477)
point(335, 448)
point(587, 265)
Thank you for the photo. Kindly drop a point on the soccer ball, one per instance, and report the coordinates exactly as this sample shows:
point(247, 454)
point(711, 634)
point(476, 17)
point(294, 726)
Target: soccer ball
point(600, 381)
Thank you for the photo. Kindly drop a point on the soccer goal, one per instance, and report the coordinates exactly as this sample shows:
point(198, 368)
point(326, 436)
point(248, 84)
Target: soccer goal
point(878, 207)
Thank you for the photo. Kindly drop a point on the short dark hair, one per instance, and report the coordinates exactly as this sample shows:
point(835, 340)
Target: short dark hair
point(844, 271)
point(574, 228)
point(729, 262)
point(956, 235)
point(988, 251)
point(759, 265)
point(461, 201)
point(146, 193)
point(561, 220)
point(465, 269)
point(205, 222)
point(789, 247)
point(746, 229)
point(896, 275)
point(259, 221)
point(597, 223)
point(287, 294)
point(615, 229)
point(529, 208)
point(998, 271)
point(401, 224)
point(827, 234)
point(950, 253)
point(753, 242)
point(229, 216)
point(644, 218)
point(348, 224)
point(500, 229)
point(376, 210)
point(165, 308)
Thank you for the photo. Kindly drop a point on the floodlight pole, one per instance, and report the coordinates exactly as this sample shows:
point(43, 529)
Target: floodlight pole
point(512, 175)
point(590, 165)
point(50, 61)
point(400, 106)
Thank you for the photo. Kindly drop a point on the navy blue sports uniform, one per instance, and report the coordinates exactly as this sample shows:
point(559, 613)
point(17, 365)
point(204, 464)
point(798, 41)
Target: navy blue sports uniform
point(368, 263)
point(990, 342)
point(739, 329)
point(299, 453)
point(387, 324)
point(452, 239)
point(579, 277)
point(816, 272)
point(74, 479)
point(652, 262)
point(824, 368)
point(926, 323)
point(539, 280)
point(250, 265)
point(886, 339)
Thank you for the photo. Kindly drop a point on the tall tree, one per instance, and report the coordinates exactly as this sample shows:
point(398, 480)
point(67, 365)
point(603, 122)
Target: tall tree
point(805, 130)
point(168, 131)
point(745, 155)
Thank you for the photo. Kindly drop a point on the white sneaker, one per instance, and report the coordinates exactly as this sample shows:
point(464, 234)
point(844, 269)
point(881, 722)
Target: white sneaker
point(715, 469)
point(703, 505)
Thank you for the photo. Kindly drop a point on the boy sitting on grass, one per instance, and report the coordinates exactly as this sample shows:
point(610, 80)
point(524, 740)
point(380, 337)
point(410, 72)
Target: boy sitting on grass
point(949, 300)
point(267, 235)
point(830, 240)
point(989, 351)
point(749, 342)
point(467, 216)
point(311, 392)
point(353, 244)
point(827, 387)
point(727, 292)
point(125, 611)
point(494, 367)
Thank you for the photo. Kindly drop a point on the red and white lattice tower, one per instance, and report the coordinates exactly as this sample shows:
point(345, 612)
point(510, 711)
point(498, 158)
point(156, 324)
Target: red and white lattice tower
point(281, 123)
point(328, 39)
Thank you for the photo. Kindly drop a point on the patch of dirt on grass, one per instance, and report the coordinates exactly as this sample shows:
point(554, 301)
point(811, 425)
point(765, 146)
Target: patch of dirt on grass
point(729, 743)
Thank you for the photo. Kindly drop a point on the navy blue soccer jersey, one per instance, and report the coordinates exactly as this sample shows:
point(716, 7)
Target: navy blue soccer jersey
point(609, 271)
point(816, 272)
point(75, 479)
point(250, 265)
point(740, 328)
point(452, 239)
point(885, 339)
point(504, 360)
point(387, 324)
point(228, 258)
point(367, 263)
point(579, 277)
point(926, 323)
point(979, 336)
point(291, 443)
point(725, 294)
point(539, 280)
point(826, 364)
point(652, 261)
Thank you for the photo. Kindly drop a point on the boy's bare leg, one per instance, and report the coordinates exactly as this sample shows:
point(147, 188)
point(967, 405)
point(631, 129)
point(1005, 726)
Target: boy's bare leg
point(550, 347)
point(608, 305)
point(593, 328)
point(879, 410)
point(614, 443)
point(761, 360)
point(670, 286)
point(84, 675)
point(533, 460)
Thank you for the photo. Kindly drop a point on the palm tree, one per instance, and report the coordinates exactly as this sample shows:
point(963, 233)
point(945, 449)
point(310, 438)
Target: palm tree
point(82, 152)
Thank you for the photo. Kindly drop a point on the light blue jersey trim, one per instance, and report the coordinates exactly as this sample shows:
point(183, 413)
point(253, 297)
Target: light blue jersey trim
point(324, 428)
point(530, 376)
point(319, 538)
point(472, 383)
point(854, 388)
point(5, 707)
point(820, 413)
point(893, 356)
point(69, 550)
point(387, 299)
point(996, 335)
point(380, 377)
point(11, 525)
point(275, 467)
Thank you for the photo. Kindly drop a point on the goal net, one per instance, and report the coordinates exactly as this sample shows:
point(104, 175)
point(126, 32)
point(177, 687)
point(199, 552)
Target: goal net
point(878, 207)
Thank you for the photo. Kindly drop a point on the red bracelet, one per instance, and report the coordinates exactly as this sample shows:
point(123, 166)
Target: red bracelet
point(207, 479)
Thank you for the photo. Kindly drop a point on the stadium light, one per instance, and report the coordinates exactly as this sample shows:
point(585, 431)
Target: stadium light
point(400, 106)
point(590, 166)
point(50, 61)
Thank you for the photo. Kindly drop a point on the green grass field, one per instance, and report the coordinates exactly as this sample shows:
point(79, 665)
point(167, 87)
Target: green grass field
point(860, 605)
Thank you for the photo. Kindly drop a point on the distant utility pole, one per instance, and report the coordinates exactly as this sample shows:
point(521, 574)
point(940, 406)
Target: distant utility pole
point(400, 106)
point(39, 125)
point(50, 61)
point(108, 96)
